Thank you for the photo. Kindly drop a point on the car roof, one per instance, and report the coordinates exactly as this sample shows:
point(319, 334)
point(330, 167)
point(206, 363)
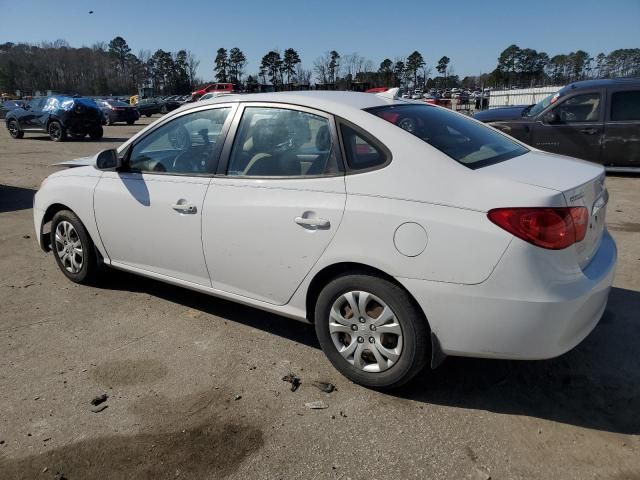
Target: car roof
point(335, 102)
point(604, 82)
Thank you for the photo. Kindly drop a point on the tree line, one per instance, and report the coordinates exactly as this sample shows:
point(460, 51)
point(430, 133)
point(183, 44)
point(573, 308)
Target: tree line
point(112, 68)
point(527, 67)
point(102, 69)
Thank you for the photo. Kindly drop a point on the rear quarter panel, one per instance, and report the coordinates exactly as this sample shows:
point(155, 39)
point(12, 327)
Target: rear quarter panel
point(461, 245)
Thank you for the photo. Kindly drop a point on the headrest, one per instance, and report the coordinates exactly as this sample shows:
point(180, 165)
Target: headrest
point(323, 138)
point(267, 134)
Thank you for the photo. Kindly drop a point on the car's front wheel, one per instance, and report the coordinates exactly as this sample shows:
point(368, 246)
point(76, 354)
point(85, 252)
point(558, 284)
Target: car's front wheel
point(57, 132)
point(73, 249)
point(14, 129)
point(130, 122)
point(371, 331)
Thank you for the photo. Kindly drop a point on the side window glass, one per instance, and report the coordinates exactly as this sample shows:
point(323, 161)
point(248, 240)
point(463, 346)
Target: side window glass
point(581, 108)
point(36, 103)
point(625, 106)
point(362, 153)
point(278, 142)
point(187, 144)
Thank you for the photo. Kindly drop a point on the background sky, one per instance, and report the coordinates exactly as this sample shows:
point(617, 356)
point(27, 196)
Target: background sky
point(471, 33)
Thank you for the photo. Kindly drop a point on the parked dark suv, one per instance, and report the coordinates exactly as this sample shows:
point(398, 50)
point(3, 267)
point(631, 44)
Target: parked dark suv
point(595, 120)
point(58, 116)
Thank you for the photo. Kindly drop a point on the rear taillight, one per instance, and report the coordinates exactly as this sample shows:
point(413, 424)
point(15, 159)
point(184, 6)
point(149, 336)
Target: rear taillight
point(552, 228)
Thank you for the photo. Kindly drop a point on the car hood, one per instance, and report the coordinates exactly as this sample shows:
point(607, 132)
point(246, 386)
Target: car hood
point(79, 162)
point(497, 114)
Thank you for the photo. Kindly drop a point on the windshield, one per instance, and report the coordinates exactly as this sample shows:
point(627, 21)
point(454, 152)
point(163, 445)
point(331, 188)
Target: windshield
point(541, 105)
point(467, 142)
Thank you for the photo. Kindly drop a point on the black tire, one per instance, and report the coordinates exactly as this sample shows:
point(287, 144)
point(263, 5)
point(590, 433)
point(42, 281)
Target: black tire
point(130, 122)
point(14, 129)
point(88, 271)
point(56, 131)
point(416, 348)
point(147, 115)
point(96, 133)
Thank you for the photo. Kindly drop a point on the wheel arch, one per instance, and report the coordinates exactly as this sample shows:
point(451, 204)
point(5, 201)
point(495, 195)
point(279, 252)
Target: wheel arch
point(329, 272)
point(49, 213)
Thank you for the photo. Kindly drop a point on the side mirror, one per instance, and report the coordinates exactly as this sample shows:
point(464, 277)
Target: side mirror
point(551, 117)
point(108, 160)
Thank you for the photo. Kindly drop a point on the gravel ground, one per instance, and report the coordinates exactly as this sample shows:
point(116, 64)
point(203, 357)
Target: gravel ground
point(195, 384)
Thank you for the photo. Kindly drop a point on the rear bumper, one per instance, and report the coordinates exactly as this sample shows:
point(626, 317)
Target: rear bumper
point(528, 310)
point(83, 124)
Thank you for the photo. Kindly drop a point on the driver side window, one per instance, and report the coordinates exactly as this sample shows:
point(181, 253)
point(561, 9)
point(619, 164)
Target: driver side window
point(188, 144)
point(580, 108)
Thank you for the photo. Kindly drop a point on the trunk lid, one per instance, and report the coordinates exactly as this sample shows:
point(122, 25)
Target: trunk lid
point(594, 196)
point(581, 184)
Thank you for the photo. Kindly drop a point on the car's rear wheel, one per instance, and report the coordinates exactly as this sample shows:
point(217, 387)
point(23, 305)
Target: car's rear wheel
point(57, 132)
point(96, 133)
point(14, 129)
point(130, 122)
point(73, 249)
point(147, 115)
point(371, 331)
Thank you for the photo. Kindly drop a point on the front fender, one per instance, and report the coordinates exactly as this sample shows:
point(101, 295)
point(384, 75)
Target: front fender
point(72, 190)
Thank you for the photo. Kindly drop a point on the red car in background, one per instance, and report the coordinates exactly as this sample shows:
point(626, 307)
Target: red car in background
point(215, 88)
point(377, 90)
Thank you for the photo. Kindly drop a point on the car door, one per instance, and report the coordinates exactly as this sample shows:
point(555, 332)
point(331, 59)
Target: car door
point(149, 213)
point(574, 126)
point(621, 144)
point(277, 203)
point(30, 120)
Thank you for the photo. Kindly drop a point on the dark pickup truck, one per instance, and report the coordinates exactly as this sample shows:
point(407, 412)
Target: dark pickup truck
point(595, 120)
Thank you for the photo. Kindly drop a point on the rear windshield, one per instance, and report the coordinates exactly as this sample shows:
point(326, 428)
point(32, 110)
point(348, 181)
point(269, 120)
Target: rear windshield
point(467, 142)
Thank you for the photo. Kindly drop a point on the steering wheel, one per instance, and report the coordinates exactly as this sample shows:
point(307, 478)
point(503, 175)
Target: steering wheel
point(191, 160)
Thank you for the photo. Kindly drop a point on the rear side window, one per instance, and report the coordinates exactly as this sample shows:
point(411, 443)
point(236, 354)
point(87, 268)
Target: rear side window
point(362, 152)
point(466, 141)
point(625, 106)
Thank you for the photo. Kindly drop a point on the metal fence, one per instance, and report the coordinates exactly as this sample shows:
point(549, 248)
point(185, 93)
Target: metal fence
point(523, 96)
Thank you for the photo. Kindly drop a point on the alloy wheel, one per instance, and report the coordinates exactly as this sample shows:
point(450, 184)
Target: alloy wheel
point(13, 128)
point(365, 331)
point(55, 131)
point(69, 247)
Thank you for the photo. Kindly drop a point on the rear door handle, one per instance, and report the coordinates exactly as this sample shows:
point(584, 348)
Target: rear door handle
point(184, 207)
point(313, 222)
point(589, 131)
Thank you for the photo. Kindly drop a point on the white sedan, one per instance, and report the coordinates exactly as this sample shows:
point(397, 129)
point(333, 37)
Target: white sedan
point(405, 232)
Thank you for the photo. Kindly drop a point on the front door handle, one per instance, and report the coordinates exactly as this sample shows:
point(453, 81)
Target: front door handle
point(184, 207)
point(589, 131)
point(313, 222)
